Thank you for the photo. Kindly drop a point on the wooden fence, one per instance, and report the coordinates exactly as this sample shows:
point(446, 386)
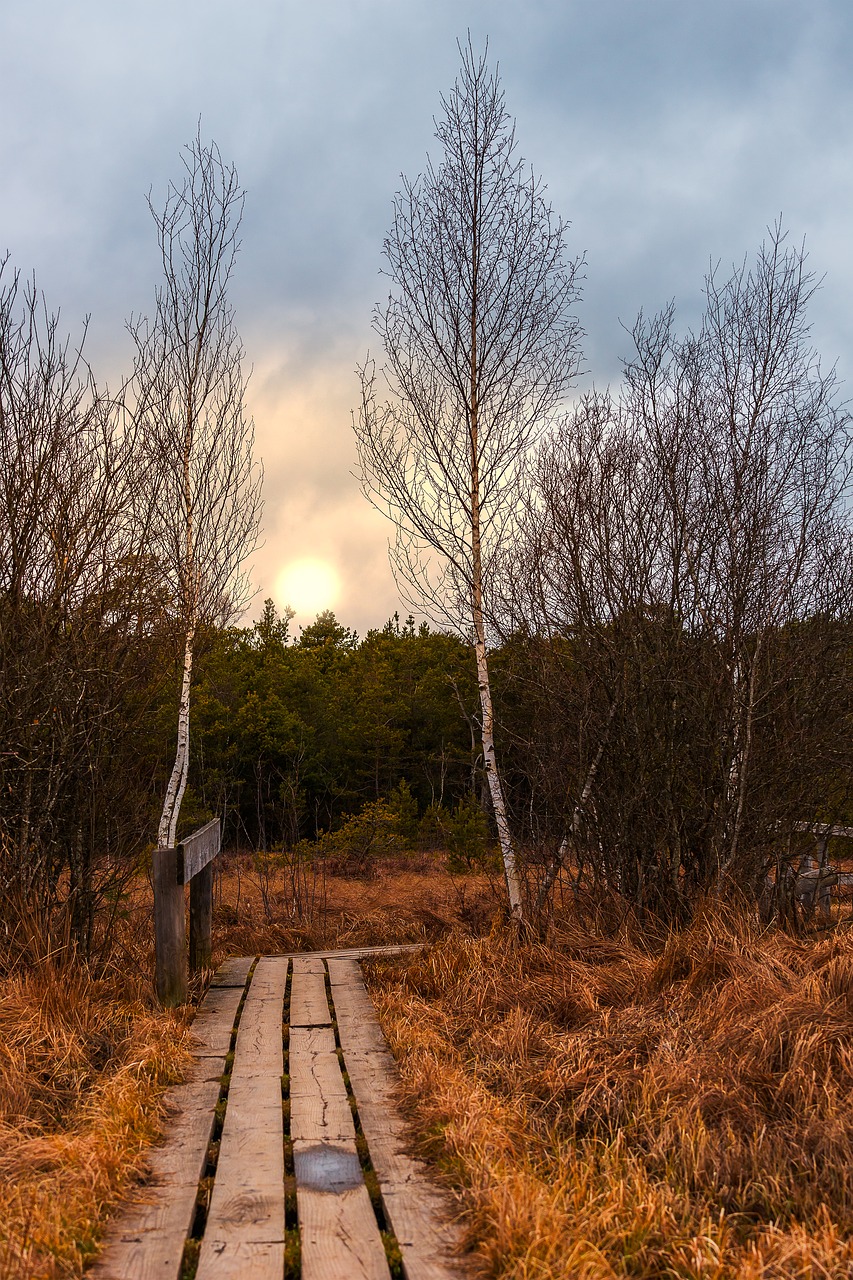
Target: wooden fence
point(190, 863)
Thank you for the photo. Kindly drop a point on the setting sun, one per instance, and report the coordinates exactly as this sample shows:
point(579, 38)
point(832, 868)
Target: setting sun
point(308, 586)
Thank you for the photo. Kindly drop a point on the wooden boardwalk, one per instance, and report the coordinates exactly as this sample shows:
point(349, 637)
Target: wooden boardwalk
point(268, 1110)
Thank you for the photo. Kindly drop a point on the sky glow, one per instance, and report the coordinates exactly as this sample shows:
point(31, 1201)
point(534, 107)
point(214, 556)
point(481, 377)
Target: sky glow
point(670, 135)
point(308, 586)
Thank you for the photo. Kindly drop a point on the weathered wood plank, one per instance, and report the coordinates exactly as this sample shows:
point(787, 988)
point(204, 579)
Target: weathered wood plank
point(354, 1008)
point(201, 918)
point(416, 1209)
point(308, 1004)
point(198, 850)
point(214, 1022)
point(388, 949)
point(170, 931)
point(233, 972)
point(310, 963)
point(338, 1233)
point(147, 1239)
point(319, 1106)
point(345, 971)
point(244, 1237)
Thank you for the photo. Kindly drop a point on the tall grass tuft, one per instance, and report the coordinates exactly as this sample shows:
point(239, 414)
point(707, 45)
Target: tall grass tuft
point(84, 1061)
point(624, 1106)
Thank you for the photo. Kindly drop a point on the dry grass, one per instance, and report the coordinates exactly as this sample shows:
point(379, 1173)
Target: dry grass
point(408, 900)
point(85, 1059)
point(615, 1108)
point(83, 1065)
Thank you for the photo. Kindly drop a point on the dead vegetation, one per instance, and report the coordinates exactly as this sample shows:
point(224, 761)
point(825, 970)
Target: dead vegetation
point(260, 907)
point(83, 1065)
point(612, 1104)
point(85, 1055)
point(627, 1106)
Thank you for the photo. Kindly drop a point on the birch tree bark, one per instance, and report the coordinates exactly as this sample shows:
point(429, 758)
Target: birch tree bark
point(480, 347)
point(203, 492)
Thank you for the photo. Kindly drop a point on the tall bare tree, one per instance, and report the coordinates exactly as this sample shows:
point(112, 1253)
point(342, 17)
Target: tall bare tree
point(688, 561)
point(753, 446)
point(480, 346)
point(73, 673)
point(190, 399)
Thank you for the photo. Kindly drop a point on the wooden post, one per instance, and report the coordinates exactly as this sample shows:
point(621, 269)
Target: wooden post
point(170, 930)
point(201, 918)
point(823, 894)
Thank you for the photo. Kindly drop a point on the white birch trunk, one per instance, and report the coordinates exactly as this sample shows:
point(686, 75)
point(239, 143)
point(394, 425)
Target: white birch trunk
point(738, 772)
point(490, 762)
point(494, 778)
point(168, 827)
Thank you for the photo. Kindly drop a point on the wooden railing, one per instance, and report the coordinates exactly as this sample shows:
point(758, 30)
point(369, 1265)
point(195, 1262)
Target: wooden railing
point(190, 863)
point(817, 879)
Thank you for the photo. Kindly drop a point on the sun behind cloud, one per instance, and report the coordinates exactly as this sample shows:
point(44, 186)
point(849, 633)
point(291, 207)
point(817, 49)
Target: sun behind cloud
point(308, 585)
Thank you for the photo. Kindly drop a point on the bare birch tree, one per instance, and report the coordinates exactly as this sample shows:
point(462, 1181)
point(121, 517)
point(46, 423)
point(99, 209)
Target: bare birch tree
point(753, 446)
point(204, 487)
point(480, 346)
point(686, 575)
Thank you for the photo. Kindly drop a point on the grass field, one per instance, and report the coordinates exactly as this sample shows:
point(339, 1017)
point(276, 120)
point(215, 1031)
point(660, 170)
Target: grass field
point(626, 1106)
point(613, 1104)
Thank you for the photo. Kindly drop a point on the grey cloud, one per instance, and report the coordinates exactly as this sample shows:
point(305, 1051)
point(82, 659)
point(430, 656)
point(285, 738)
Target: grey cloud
point(668, 133)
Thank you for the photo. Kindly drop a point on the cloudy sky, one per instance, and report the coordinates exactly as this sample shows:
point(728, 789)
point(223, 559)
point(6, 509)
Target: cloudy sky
point(670, 133)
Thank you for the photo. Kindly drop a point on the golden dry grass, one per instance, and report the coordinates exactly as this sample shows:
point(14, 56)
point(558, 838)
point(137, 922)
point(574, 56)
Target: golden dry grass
point(85, 1057)
point(83, 1065)
point(407, 900)
point(613, 1108)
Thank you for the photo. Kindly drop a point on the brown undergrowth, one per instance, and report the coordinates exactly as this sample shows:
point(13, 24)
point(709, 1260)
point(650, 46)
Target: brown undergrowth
point(83, 1065)
point(404, 900)
point(615, 1107)
point(85, 1054)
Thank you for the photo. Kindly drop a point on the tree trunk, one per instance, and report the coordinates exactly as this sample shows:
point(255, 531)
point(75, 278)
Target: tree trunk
point(577, 814)
point(739, 769)
point(483, 684)
point(167, 830)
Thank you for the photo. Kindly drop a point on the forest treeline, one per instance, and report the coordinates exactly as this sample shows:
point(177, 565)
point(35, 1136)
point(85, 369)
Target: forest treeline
point(637, 676)
point(293, 734)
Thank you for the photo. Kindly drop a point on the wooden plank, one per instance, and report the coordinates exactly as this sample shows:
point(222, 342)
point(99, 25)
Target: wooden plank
point(233, 972)
point(199, 849)
point(339, 1237)
point(201, 918)
point(319, 1106)
point(146, 1240)
point(214, 1022)
point(244, 1237)
point(170, 935)
point(308, 964)
point(308, 1004)
point(346, 971)
point(355, 1008)
point(355, 953)
point(417, 1210)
